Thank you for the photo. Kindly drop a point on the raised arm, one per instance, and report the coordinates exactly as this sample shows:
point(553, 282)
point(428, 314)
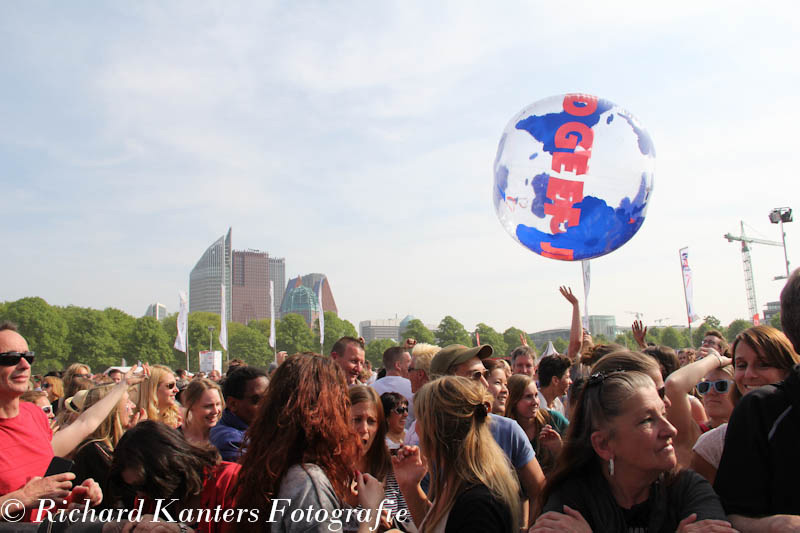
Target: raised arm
point(67, 439)
point(576, 330)
point(678, 386)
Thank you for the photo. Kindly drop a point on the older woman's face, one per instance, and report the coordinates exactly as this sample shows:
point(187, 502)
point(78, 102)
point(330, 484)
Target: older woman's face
point(167, 389)
point(641, 440)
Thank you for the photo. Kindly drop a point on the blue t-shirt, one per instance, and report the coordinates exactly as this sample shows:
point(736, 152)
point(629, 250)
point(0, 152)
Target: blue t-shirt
point(512, 439)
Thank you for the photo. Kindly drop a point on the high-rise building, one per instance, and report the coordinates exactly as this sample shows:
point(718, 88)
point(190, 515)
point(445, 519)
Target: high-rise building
point(250, 286)
point(211, 271)
point(277, 274)
point(301, 297)
point(156, 310)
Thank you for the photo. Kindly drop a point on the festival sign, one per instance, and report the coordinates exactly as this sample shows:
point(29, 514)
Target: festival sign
point(572, 177)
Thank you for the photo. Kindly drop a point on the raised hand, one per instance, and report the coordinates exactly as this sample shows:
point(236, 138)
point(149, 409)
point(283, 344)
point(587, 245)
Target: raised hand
point(566, 292)
point(639, 333)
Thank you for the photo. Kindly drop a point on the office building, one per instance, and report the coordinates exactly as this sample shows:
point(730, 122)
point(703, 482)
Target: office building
point(211, 271)
point(277, 274)
point(156, 310)
point(250, 285)
point(301, 297)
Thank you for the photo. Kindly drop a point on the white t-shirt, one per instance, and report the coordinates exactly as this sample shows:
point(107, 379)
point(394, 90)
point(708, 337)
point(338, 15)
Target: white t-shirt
point(557, 404)
point(709, 445)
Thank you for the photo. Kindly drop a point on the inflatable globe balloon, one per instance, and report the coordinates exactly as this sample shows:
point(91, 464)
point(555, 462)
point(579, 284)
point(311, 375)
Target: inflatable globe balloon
point(573, 176)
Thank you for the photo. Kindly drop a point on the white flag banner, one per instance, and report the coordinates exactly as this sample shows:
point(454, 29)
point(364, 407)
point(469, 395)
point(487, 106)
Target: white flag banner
point(687, 286)
point(321, 316)
point(272, 314)
point(181, 341)
point(587, 281)
point(223, 328)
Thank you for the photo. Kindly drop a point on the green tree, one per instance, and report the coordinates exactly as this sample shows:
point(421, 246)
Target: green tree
point(671, 338)
point(45, 330)
point(89, 337)
point(249, 344)
point(451, 331)
point(490, 336)
point(262, 326)
point(148, 342)
point(335, 329)
point(415, 329)
point(736, 327)
point(622, 339)
point(121, 326)
point(293, 335)
point(710, 322)
point(775, 321)
point(511, 337)
point(374, 351)
point(713, 322)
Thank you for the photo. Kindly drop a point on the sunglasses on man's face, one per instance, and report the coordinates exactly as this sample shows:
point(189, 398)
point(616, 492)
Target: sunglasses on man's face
point(476, 375)
point(13, 358)
point(401, 410)
point(47, 409)
point(722, 386)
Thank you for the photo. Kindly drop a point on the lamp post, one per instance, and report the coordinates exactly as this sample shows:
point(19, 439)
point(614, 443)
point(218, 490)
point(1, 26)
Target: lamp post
point(210, 338)
point(779, 215)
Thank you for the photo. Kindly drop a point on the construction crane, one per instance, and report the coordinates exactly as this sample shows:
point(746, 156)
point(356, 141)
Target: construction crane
point(637, 314)
point(749, 285)
point(660, 321)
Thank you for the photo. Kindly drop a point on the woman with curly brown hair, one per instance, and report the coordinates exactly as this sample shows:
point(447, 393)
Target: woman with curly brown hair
point(303, 449)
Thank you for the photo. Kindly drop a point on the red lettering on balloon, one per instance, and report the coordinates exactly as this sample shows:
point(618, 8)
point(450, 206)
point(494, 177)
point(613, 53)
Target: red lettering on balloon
point(552, 252)
point(564, 194)
point(577, 162)
point(589, 104)
point(572, 134)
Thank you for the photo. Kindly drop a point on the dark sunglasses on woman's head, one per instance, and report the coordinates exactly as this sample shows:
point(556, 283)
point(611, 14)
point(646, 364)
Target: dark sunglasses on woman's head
point(722, 386)
point(13, 358)
point(401, 410)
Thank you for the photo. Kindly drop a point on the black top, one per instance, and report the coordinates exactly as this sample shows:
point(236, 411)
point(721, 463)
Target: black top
point(93, 460)
point(668, 504)
point(759, 468)
point(477, 511)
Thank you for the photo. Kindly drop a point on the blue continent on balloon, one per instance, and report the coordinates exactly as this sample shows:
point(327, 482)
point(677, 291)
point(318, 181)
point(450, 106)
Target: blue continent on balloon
point(602, 228)
point(543, 128)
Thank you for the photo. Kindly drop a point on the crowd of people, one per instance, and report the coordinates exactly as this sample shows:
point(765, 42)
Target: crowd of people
point(440, 440)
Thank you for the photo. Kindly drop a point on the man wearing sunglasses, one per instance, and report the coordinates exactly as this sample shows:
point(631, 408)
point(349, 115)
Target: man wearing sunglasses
point(26, 441)
point(243, 389)
point(458, 360)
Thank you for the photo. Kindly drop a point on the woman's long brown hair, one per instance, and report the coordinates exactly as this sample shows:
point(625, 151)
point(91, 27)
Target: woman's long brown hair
point(303, 418)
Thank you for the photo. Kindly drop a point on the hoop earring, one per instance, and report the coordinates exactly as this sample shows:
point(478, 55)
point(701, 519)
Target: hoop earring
point(611, 467)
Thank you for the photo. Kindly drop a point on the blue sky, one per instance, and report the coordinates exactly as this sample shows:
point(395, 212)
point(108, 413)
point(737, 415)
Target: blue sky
point(357, 139)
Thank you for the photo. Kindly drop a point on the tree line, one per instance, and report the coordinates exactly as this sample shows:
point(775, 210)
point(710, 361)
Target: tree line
point(63, 335)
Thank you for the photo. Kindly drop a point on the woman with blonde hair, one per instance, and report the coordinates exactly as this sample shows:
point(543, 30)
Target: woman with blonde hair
point(472, 485)
point(203, 405)
point(157, 396)
point(93, 456)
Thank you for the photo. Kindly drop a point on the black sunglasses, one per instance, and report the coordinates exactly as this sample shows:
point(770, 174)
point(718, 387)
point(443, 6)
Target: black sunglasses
point(13, 358)
point(722, 386)
point(401, 410)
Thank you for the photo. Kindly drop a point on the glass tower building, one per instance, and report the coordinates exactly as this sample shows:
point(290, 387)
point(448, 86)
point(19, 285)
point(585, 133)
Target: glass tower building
point(212, 270)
